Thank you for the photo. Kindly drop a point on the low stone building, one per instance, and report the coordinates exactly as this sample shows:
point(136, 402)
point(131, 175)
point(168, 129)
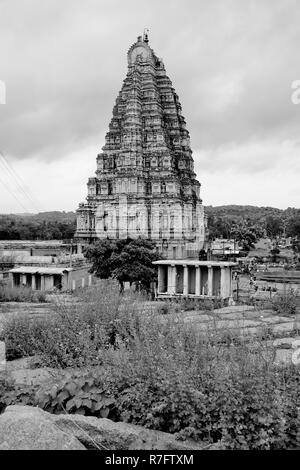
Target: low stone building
point(50, 278)
point(272, 282)
point(193, 278)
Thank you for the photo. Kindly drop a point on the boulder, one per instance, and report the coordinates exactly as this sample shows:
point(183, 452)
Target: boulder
point(29, 428)
point(101, 433)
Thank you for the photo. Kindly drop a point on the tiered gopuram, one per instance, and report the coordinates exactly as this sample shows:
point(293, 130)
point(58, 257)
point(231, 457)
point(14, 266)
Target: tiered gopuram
point(145, 183)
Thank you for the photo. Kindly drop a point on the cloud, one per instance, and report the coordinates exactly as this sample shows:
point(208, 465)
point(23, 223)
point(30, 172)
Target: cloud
point(232, 64)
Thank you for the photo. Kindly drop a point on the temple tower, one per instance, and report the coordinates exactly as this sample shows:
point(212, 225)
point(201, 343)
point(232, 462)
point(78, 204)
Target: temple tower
point(145, 183)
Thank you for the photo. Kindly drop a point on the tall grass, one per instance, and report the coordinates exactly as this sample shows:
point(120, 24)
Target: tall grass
point(21, 294)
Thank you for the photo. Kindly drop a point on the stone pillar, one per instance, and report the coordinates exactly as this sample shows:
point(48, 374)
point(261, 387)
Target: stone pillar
point(159, 281)
point(23, 281)
point(82, 282)
point(198, 281)
point(223, 282)
point(90, 280)
point(210, 281)
point(227, 282)
point(33, 283)
point(171, 279)
point(185, 280)
point(42, 282)
point(229, 270)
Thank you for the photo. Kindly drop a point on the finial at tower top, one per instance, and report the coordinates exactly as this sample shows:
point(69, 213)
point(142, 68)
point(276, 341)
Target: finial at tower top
point(145, 35)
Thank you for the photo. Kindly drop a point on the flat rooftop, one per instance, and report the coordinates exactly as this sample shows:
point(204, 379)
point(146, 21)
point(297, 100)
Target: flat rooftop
point(39, 270)
point(279, 276)
point(194, 262)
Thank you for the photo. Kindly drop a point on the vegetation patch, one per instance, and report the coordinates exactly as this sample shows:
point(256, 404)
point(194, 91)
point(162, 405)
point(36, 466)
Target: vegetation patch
point(159, 372)
point(20, 294)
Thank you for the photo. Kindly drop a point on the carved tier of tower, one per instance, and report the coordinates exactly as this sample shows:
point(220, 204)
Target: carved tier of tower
point(145, 183)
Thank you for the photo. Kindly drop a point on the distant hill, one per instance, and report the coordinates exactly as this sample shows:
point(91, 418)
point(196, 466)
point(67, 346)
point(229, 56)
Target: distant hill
point(42, 226)
point(268, 221)
point(61, 225)
point(254, 212)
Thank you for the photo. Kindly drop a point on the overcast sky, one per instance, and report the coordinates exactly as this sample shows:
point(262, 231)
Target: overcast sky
point(232, 63)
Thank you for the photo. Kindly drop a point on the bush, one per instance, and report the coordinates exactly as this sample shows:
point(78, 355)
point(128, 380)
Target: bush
point(285, 304)
point(20, 294)
point(21, 336)
point(10, 394)
point(172, 380)
point(78, 393)
point(75, 335)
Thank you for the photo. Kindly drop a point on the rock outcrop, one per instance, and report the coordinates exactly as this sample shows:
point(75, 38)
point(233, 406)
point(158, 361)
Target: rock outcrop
point(29, 428)
point(101, 433)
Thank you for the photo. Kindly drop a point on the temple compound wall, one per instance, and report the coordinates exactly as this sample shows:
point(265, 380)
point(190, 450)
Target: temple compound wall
point(145, 183)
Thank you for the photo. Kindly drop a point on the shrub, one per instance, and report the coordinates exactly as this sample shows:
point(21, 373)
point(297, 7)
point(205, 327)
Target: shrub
point(172, 380)
point(78, 393)
point(21, 335)
point(20, 294)
point(285, 304)
point(75, 335)
point(10, 394)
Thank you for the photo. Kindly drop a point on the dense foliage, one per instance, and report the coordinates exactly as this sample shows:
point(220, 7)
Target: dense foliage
point(43, 226)
point(126, 260)
point(73, 337)
point(159, 372)
point(248, 223)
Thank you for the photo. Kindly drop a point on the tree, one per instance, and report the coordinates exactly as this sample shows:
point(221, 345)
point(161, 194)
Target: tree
point(274, 252)
point(293, 228)
point(125, 260)
point(273, 226)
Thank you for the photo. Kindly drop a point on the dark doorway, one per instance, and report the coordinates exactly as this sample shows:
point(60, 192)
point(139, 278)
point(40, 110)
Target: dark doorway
point(38, 282)
point(57, 281)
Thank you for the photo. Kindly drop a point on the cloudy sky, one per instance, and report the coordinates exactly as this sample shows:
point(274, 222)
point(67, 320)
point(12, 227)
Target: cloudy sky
point(232, 63)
